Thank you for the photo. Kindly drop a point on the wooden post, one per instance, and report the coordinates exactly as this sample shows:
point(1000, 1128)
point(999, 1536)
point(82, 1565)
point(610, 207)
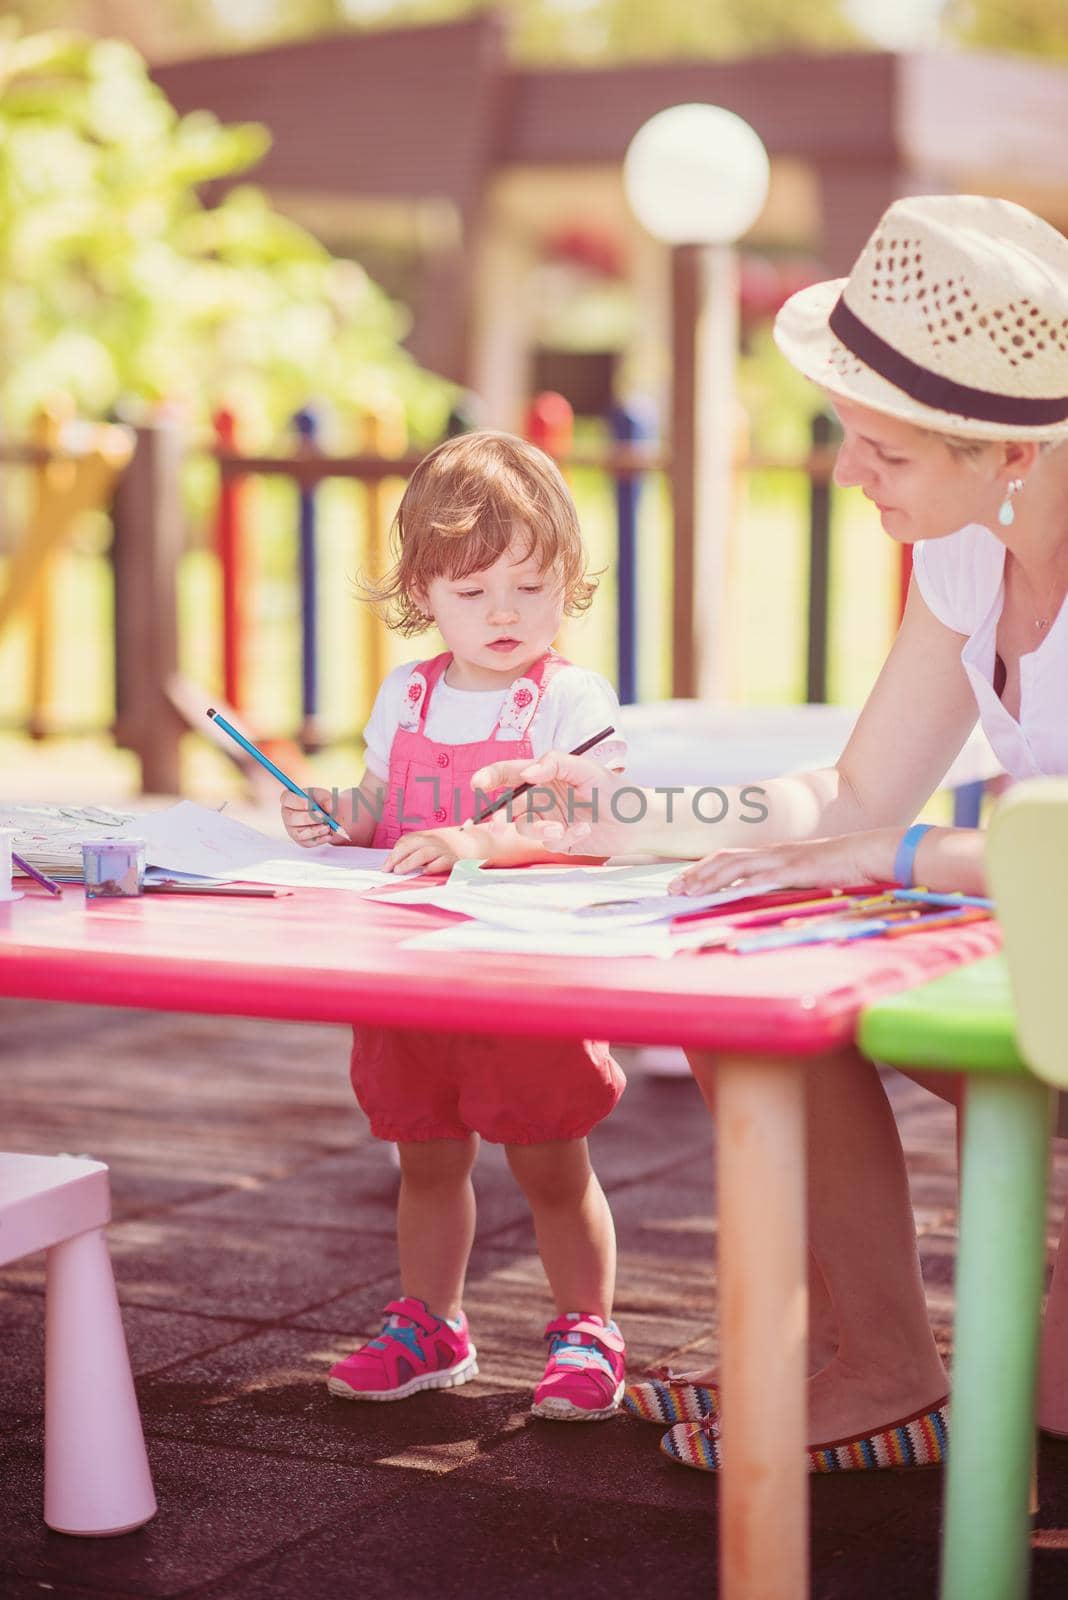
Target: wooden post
point(703, 425)
point(147, 547)
point(629, 423)
point(819, 565)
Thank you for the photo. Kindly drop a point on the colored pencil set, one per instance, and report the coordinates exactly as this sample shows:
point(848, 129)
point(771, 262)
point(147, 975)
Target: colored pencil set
point(842, 919)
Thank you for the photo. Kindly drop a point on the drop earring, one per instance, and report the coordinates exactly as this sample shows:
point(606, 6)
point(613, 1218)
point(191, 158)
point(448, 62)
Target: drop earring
point(1007, 511)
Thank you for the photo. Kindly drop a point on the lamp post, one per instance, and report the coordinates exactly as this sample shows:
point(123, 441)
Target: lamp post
point(696, 177)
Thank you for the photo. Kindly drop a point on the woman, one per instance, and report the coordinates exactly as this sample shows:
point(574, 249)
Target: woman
point(945, 356)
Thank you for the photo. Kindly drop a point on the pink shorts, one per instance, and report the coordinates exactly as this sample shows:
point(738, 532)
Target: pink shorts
point(414, 1085)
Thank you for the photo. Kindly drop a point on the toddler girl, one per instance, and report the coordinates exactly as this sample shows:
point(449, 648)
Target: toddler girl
point(489, 552)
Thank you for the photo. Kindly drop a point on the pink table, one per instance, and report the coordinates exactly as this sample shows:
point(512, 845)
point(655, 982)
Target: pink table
point(322, 956)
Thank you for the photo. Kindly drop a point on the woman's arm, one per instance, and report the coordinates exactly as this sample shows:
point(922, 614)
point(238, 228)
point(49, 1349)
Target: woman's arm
point(913, 725)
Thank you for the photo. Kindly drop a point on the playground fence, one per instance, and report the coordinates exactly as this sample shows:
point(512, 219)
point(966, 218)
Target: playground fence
point(141, 473)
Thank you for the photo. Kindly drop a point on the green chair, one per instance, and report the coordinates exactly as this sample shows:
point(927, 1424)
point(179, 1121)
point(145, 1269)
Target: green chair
point(1001, 1022)
point(1027, 858)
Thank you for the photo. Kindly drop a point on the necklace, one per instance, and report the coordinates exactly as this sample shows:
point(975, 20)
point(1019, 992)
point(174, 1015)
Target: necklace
point(1044, 616)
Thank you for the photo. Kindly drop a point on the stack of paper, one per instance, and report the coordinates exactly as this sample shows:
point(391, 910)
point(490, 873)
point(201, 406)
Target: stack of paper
point(50, 838)
point(188, 842)
point(191, 839)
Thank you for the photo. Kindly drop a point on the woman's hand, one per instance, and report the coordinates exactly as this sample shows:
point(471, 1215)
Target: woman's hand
point(303, 824)
point(570, 803)
point(853, 858)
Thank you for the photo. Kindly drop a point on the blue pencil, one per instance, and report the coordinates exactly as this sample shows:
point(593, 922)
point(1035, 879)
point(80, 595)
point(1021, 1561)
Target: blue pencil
point(276, 772)
point(925, 897)
point(833, 931)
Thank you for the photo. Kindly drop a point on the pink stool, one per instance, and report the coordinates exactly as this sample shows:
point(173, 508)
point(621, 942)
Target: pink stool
point(97, 1480)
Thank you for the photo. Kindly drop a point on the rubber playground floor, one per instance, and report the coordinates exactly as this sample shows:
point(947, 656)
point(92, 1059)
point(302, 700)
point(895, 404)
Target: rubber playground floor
point(252, 1247)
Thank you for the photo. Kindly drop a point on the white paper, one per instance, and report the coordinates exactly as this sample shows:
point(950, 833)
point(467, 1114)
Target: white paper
point(192, 839)
point(583, 900)
point(355, 876)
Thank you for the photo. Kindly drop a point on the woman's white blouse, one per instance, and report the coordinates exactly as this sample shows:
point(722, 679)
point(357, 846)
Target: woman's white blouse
point(961, 577)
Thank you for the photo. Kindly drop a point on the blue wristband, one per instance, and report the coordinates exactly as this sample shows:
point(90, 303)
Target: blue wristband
point(906, 853)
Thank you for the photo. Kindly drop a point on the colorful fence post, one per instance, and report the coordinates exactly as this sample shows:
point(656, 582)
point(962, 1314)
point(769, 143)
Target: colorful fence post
point(385, 433)
point(550, 423)
point(630, 424)
point(48, 477)
point(306, 426)
point(81, 480)
point(235, 564)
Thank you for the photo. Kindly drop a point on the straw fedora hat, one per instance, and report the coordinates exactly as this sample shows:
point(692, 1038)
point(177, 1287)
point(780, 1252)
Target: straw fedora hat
point(954, 317)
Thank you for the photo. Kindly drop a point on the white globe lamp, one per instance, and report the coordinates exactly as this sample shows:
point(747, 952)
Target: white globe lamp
point(696, 178)
point(696, 174)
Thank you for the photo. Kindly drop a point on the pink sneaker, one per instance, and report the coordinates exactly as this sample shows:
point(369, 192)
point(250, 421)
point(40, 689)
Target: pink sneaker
point(415, 1350)
point(583, 1379)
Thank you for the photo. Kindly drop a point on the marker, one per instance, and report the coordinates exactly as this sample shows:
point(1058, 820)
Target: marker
point(38, 877)
point(276, 772)
point(512, 794)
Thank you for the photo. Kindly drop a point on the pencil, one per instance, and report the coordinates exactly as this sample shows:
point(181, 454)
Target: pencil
point(512, 794)
point(941, 919)
point(264, 761)
point(925, 897)
point(248, 890)
point(38, 877)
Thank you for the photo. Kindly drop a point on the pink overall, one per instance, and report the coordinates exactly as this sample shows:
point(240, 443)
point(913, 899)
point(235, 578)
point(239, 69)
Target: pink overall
point(416, 1085)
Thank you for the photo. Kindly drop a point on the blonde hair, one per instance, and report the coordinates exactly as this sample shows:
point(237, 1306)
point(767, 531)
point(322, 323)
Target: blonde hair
point(468, 502)
point(973, 449)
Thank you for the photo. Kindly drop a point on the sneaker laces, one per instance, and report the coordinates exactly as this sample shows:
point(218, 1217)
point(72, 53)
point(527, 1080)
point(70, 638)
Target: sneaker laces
point(398, 1330)
point(580, 1350)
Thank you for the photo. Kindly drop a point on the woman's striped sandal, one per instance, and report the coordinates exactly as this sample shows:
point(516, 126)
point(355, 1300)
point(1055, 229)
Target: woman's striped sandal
point(665, 1397)
point(917, 1441)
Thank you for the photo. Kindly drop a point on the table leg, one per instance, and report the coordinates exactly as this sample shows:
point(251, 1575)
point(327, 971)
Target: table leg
point(986, 1536)
point(763, 1493)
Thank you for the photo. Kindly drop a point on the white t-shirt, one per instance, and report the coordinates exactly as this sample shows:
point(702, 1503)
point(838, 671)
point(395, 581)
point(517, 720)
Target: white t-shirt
point(961, 579)
point(574, 706)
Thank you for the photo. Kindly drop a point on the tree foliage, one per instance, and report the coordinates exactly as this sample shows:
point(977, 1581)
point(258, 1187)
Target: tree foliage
point(632, 30)
point(540, 30)
point(1025, 27)
point(117, 280)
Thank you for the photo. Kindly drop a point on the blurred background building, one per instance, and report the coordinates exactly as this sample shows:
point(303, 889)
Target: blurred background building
point(473, 165)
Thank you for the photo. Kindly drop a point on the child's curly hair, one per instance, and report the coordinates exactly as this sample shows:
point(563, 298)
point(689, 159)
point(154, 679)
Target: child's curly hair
point(466, 503)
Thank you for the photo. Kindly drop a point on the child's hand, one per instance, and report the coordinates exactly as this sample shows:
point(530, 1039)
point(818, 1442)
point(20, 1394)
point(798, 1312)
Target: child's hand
point(303, 824)
point(436, 851)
